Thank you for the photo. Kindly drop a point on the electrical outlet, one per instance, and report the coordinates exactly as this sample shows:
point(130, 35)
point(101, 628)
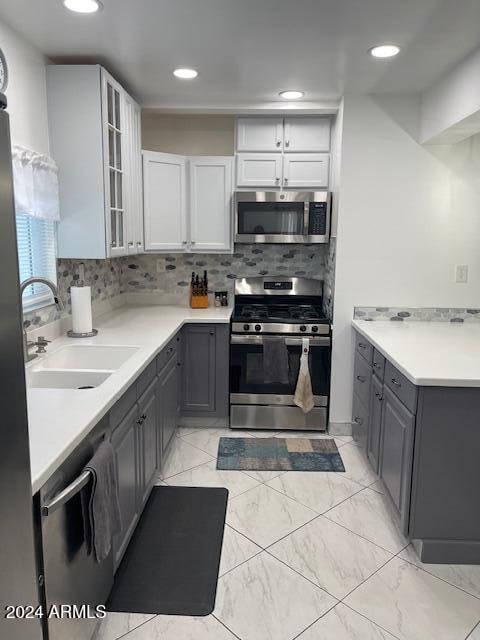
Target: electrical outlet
point(461, 273)
point(160, 265)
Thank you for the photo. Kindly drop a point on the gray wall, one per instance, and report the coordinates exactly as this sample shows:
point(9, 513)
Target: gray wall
point(196, 135)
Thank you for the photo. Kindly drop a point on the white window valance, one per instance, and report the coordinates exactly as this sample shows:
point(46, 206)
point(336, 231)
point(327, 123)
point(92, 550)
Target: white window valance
point(35, 183)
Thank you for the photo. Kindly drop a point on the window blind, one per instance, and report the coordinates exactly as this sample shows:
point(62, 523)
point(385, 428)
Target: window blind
point(36, 242)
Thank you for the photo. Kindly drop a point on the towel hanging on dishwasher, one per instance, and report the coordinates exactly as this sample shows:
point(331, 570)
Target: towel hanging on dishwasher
point(303, 397)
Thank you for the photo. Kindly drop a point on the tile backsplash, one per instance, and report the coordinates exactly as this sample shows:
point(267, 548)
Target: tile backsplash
point(168, 275)
point(103, 276)
point(417, 314)
point(171, 274)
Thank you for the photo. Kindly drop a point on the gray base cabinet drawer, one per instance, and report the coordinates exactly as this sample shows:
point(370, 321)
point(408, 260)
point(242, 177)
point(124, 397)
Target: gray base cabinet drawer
point(363, 347)
point(378, 365)
point(123, 406)
point(146, 378)
point(401, 386)
point(361, 379)
point(359, 421)
point(168, 352)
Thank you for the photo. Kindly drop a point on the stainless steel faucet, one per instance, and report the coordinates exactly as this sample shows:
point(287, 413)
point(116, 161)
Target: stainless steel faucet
point(41, 342)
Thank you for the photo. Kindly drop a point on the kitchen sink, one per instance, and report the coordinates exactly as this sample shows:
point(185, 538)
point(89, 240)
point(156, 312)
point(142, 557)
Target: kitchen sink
point(103, 357)
point(45, 379)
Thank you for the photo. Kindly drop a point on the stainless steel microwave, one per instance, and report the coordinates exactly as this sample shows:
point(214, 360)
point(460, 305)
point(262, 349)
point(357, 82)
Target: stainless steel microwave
point(282, 216)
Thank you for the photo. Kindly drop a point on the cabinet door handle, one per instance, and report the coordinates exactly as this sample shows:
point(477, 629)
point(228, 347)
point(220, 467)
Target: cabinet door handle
point(169, 351)
point(278, 143)
point(376, 365)
point(361, 378)
point(358, 421)
point(378, 395)
point(287, 143)
point(396, 382)
point(362, 345)
point(277, 180)
point(212, 333)
point(130, 244)
point(285, 180)
point(139, 243)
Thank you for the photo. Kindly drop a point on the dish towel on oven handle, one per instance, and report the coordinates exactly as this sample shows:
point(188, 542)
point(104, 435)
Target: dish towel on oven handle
point(303, 397)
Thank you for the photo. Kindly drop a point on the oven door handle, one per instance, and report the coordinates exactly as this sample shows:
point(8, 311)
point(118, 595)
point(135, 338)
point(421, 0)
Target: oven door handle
point(314, 341)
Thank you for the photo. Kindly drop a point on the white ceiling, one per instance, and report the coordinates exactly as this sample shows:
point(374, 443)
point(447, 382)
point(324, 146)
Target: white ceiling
point(248, 50)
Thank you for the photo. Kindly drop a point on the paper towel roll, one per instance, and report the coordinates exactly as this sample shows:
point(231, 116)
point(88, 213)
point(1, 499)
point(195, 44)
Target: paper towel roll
point(81, 309)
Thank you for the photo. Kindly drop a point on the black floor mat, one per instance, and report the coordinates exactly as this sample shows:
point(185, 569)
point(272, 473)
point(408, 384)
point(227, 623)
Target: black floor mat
point(172, 562)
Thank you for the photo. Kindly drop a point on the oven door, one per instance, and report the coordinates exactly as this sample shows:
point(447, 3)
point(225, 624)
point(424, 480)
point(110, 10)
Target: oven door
point(247, 386)
point(270, 221)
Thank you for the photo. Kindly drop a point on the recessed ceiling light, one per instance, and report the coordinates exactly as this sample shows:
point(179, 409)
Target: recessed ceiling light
point(385, 51)
point(185, 74)
point(291, 95)
point(82, 6)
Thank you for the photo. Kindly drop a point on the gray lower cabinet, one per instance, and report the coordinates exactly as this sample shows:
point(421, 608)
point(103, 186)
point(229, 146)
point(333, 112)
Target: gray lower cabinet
point(424, 443)
point(147, 439)
point(205, 370)
point(396, 454)
point(360, 418)
point(125, 446)
point(168, 405)
point(375, 425)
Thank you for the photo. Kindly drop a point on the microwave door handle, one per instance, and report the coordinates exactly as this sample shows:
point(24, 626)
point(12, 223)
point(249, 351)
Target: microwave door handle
point(306, 218)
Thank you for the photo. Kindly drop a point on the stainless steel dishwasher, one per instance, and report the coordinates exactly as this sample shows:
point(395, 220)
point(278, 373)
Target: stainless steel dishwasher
point(71, 574)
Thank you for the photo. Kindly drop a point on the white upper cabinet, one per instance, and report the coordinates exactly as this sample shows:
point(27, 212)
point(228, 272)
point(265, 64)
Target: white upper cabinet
point(187, 202)
point(135, 188)
point(259, 169)
point(307, 134)
point(259, 134)
point(306, 170)
point(92, 142)
point(115, 148)
point(164, 201)
point(291, 151)
point(210, 203)
point(302, 134)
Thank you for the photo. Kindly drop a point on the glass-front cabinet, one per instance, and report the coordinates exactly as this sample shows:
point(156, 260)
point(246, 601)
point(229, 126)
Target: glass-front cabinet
point(95, 141)
point(114, 162)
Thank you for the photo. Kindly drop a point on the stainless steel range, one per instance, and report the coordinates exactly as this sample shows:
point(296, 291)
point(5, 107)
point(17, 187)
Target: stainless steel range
point(289, 307)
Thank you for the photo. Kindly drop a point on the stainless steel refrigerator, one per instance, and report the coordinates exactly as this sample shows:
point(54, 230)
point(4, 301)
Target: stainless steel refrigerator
point(18, 569)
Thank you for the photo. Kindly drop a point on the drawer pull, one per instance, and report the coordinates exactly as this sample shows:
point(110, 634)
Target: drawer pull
point(361, 379)
point(358, 421)
point(378, 395)
point(362, 345)
point(169, 351)
point(376, 365)
point(396, 382)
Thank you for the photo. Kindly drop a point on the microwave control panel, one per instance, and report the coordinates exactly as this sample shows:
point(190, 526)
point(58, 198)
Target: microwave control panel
point(317, 219)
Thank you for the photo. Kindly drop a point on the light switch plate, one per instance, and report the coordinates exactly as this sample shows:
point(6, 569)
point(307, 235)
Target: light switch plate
point(461, 273)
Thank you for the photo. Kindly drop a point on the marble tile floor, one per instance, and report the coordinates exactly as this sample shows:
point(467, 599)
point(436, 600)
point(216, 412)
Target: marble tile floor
point(310, 556)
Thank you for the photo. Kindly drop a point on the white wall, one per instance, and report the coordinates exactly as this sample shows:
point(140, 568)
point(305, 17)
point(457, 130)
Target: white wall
point(407, 215)
point(451, 108)
point(26, 92)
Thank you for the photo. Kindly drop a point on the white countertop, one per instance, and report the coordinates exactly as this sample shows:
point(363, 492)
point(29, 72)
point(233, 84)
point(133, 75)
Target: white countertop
point(59, 419)
point(439, 354)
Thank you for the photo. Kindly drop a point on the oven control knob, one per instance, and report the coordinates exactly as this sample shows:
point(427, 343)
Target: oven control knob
point(314, 328)
point(246, 327)
point(258, 327)
point(303, 328)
